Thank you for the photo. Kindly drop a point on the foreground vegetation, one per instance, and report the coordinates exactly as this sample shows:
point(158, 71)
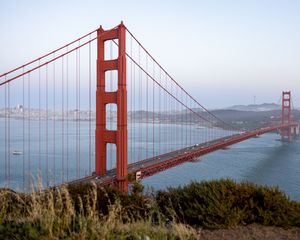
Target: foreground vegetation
point(91, 212)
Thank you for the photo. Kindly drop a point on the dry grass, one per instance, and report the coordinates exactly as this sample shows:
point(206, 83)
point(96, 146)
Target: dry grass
point(53, 214)
point(91, 212)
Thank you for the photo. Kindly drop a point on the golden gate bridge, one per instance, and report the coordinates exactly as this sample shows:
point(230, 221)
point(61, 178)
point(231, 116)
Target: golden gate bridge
point(101, 108)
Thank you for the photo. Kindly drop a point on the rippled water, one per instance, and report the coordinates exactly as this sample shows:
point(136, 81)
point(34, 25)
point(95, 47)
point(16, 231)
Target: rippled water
point(263, 160)
point(63, 151)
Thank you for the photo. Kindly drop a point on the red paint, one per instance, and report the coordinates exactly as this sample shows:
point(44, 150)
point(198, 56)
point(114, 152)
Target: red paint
point(286, 116)
point(104, 136)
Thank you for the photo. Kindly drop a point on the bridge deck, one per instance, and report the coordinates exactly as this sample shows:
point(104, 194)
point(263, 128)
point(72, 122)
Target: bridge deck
point(151, 166)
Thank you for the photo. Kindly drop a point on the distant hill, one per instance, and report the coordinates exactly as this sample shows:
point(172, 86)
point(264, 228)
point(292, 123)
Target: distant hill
point(249, 116)
point(256, 107)
point(256, 117)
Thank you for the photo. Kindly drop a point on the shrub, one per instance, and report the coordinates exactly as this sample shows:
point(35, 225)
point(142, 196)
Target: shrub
point(224, 203)
point(92, 212)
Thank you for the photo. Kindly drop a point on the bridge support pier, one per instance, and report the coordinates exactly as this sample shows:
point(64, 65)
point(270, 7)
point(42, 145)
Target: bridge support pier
point(119, 97)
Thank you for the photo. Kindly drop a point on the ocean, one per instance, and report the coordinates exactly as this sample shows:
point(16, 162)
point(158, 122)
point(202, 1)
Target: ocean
point(264, 160)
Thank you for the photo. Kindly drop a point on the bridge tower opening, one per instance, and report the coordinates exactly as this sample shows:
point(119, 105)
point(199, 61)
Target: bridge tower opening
point(286, 117)
point(119, 137)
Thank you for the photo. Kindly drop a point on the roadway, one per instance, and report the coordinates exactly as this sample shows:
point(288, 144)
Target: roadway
point(151, 166)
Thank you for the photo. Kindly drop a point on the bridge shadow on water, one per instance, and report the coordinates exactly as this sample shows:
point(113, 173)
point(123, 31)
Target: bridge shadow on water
point(263, 161)
point(278, 165)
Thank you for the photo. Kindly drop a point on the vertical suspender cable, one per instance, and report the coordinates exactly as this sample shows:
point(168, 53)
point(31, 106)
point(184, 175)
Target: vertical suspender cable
point(140, 107)
point(6, 133)
point(23, 127)
point(176, 121)
point(166, 113)
point(159, 113)
point(90, 110)
point(62, 121)
point(54, 124)
point(186, 121)
point(131, 105)
point(181, 119)
point(190, 123)
point(147, 110)
point(153, 135)
point(133, 111)
point(79, 121)
point(133, 129)
point(29, 132)
point(67, 114)
point(171, 116)
point(39, 161)
point(9, 111)
point(47, 128)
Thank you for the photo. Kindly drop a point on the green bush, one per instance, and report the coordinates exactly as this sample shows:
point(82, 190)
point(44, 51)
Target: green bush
point(92, 212)
point(224, 203)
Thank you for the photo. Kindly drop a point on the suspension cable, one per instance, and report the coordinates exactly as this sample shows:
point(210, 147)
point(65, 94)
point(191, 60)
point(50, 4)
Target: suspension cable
point(178, 83)
point(48, 54)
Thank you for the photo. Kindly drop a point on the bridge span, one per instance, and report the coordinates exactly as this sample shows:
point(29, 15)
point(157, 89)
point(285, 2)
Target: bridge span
point(154, 165)
point(73, 116)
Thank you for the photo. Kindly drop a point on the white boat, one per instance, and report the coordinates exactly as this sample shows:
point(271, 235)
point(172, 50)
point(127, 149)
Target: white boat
point(17, 152)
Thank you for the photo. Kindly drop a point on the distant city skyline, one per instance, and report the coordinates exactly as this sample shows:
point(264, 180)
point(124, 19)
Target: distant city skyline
point(222, 52)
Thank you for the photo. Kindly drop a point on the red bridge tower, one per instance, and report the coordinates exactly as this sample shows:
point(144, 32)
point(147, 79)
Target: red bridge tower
point(286, 117)
point(119, 97)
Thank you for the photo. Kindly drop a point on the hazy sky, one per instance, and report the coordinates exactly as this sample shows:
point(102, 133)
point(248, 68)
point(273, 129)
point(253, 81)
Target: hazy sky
point(223, 52)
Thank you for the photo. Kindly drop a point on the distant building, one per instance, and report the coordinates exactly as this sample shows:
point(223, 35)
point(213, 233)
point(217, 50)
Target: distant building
point(20, 107)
